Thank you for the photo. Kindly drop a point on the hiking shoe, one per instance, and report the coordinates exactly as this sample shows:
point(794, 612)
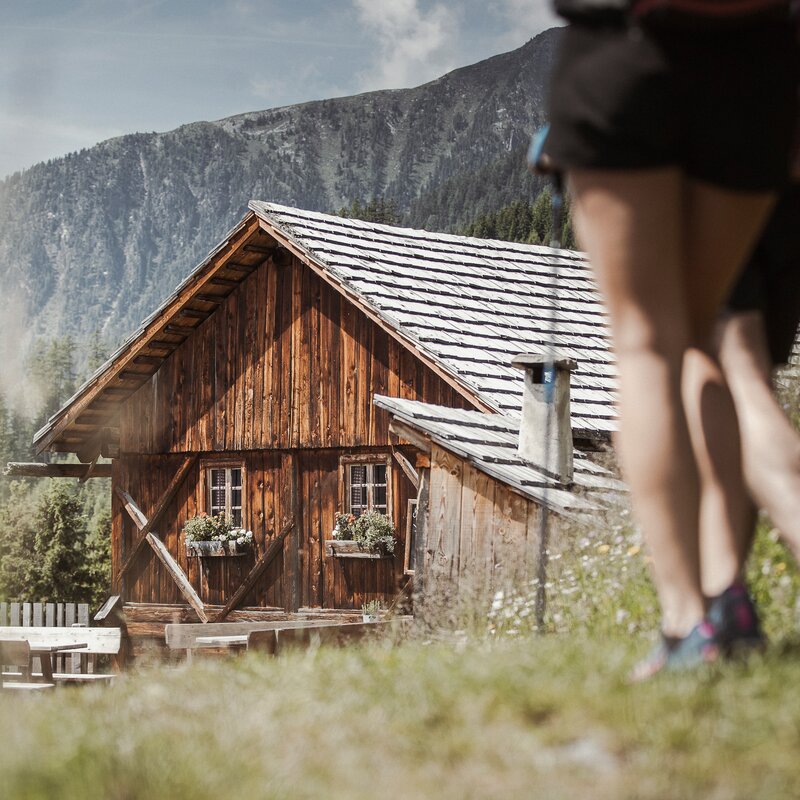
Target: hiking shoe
point(735, 620)
point(699, 647)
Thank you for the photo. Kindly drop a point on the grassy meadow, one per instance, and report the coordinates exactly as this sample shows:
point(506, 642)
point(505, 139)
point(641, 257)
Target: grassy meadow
point(494, 710)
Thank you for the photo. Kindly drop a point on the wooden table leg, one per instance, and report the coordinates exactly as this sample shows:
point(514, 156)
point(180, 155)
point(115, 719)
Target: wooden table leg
point(46, 661)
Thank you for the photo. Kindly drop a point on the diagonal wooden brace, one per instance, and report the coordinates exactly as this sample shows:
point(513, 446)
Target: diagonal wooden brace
point(146, 534)
point(275, 547)
point(144, 525)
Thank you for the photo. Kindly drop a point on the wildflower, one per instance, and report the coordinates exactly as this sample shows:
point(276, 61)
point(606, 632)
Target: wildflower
point(603, 549)
point(632, 551)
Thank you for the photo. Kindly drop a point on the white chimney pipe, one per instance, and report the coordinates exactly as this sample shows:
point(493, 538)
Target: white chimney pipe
point(545, 435)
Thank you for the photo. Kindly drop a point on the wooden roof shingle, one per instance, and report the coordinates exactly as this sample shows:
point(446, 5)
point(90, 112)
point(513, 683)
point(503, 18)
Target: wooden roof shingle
point(465, 306)
point(489, 442)
point(470, 304)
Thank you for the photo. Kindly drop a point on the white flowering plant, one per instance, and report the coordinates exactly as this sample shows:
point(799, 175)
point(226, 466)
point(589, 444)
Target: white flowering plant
point(219, 528)
point(343, 528)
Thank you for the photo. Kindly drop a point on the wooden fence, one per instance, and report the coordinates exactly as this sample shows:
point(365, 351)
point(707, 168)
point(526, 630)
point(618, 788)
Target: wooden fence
point(50, 615)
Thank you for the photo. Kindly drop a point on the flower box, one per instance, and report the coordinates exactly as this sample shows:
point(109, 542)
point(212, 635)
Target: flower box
point(212, 549)
point(347, 548)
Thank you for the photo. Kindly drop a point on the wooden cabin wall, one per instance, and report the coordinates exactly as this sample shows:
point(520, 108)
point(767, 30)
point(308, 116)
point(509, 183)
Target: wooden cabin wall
point(481, 536)
point(286, 362)
point(268, 498)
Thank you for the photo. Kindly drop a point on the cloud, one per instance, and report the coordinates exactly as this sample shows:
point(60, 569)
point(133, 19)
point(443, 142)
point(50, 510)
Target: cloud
point(414, 45)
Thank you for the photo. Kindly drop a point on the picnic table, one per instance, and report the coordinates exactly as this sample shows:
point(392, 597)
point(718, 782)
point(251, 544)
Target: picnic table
point(49, 644)
point(47, 653)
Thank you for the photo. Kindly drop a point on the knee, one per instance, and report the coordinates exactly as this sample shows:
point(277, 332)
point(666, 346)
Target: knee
point(637, 335)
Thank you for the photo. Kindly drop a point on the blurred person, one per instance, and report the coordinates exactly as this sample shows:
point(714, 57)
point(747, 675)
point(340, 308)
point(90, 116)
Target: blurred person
point(673, 120)
point(754, 335)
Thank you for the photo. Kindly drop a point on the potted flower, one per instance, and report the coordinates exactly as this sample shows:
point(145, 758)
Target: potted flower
point(371, 611)
point(238, 540)
point(214, 536)
point(370, 535)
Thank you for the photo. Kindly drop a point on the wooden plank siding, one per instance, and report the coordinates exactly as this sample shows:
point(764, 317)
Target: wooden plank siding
point(283, 374)
point(286, 362)
point(323, 582)
point(481, 535)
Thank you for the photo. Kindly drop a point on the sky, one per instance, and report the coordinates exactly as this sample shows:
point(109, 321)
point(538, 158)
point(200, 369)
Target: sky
point(76, 72)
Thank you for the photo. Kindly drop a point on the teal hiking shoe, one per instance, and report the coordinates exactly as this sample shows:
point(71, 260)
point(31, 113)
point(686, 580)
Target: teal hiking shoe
point(735, 619)
point(671, 654)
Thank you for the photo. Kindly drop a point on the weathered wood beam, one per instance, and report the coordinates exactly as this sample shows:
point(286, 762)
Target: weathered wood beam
point(133, 375)
point(192, 313)
point(178, 575)
point(150, 361)
point(227, 282)
point(111, 606)
point(15, 469)
point(292, 575)
point(256, 248)
point(405, 465)
point(160, 344)
point(134, 512)
point(241, 267)
point(163, 555)
point(89, 470)
point(275, 547)
point(410, 434)
point(421, 543)
point(155, 518)
point(179, 330)
point(216, 299)
point(94, 445)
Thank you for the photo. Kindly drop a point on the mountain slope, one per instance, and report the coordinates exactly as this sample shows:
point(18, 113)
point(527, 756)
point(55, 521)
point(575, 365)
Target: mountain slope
point(96, 239)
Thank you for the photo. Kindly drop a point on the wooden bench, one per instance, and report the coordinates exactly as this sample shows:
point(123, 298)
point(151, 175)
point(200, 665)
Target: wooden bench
point(82, 645)
point(216, 638)
point(272, 637)
point(17, 654)
point(333, 634)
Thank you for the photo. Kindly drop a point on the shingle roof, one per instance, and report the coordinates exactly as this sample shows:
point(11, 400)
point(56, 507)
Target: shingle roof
point(471, 304)
point(467, 306)
point(489, 442)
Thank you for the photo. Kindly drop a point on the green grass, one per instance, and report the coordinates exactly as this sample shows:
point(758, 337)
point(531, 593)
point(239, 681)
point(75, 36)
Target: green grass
point(539, 717)
point(501, 712)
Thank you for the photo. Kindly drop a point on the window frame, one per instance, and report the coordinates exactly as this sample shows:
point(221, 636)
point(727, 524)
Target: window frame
point(369, 460)
point(207, 484)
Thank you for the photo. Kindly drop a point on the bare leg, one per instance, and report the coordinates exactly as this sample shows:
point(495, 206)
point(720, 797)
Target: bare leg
point(770, 444)
point(636, 227)
point(714, 245)
point(726, 515)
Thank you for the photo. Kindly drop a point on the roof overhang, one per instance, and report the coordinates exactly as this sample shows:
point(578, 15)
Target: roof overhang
point(88, 423)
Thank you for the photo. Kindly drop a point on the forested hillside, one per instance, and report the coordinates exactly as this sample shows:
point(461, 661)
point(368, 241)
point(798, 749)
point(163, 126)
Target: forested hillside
point(95, 240)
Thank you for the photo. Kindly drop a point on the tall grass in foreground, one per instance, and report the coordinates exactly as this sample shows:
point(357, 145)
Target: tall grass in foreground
point(599, 583)
point(493, 712)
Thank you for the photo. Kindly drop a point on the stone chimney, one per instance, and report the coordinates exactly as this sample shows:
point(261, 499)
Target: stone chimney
point(545, 434)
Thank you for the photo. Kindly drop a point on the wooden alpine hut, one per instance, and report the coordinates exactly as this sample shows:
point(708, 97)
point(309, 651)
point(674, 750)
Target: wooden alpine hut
point(251, 391)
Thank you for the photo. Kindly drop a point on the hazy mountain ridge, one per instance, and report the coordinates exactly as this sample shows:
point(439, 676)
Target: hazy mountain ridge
point(96, 239)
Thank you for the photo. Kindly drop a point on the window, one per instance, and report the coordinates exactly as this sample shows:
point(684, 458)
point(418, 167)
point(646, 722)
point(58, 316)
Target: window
point(367, 485)
point(225, 491)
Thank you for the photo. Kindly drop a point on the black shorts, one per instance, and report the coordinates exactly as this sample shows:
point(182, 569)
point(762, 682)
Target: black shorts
point(770, 282)
point(720, 104)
